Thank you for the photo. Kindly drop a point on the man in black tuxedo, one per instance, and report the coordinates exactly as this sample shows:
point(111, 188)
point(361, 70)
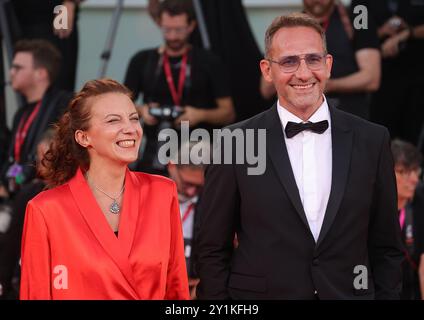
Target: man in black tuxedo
point(321, 221)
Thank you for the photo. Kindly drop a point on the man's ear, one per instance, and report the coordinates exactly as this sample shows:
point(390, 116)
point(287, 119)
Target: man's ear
point(82, 138)
point(191, 26)
point(265, 66)
point(329, 64)
point(42, 74)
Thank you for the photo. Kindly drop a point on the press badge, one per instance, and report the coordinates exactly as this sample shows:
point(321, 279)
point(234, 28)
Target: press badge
point(15, 177)
point(15, 172)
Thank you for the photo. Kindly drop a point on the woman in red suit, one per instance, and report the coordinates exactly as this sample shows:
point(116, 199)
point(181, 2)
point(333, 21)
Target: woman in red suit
point(102, 231)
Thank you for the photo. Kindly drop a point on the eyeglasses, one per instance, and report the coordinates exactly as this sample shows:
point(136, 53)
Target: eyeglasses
point(178, 31)
point(289, 64)
point(406, 173)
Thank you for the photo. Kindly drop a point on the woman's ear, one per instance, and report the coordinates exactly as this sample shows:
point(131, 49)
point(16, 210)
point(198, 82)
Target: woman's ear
point(82, 138)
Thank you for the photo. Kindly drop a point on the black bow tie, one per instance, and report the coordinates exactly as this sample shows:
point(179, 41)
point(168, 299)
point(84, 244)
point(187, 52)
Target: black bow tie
point(293, 128)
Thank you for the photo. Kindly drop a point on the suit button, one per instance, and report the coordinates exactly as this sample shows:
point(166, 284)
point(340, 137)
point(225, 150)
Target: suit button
point(315, 262)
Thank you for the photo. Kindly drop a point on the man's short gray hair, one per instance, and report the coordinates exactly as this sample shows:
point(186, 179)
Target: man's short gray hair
point(291, 21)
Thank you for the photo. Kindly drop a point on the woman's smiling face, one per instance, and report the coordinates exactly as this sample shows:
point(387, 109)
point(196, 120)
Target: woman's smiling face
point(114, 132)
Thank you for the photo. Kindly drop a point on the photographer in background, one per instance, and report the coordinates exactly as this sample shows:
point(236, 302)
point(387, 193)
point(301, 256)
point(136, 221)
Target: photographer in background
point(398, 104)
point(408, 160)
point(187, 82)
point(12, 222)
point(189, 179)
point(33, 73)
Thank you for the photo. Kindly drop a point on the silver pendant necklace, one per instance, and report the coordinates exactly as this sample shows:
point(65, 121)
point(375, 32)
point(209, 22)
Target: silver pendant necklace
point(114, 208)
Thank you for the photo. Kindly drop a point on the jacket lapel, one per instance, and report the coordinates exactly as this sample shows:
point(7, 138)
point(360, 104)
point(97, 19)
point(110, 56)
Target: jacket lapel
point(130, 212)
point(278, 154)
point(342, 139)
point(92, 214)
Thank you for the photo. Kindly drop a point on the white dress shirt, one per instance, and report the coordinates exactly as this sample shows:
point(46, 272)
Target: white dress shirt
point(187, 224)
point(311, 159)
point(189, 221)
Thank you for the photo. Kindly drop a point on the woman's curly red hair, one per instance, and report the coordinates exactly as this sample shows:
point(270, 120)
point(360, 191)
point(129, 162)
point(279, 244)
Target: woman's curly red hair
point(65, 155)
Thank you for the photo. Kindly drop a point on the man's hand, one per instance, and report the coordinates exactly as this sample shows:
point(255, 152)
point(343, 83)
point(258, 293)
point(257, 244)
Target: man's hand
point(192, 285)
point(421, 275)
point(143, 111)
point(193, 115)
point(70, 11)
point(391, 27)
point(366, 79)
point(390, 47)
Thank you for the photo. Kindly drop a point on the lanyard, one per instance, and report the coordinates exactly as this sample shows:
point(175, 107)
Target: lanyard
point(187, 212)
point(402, 218)
point(405, 219)
point(22, 131)
point(325, 24)
point(176, 96)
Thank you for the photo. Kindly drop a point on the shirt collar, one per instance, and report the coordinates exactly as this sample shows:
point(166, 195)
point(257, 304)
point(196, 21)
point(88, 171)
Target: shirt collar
point(322, 113)
point(183, 199)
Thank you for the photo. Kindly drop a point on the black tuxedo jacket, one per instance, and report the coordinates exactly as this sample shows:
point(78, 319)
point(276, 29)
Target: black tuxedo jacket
point(277, 257)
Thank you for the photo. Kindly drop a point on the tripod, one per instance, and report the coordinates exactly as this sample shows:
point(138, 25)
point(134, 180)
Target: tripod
point(202, 24)
point(6, 21)
point(5, 29)
point(107, 52)
point(6, 37)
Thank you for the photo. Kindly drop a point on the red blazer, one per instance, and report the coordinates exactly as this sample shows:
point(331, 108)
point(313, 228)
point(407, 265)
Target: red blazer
point(69, 250)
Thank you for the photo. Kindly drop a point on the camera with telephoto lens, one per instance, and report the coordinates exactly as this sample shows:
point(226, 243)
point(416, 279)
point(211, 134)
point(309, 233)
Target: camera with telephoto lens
point(166, 115)
point(166, 112)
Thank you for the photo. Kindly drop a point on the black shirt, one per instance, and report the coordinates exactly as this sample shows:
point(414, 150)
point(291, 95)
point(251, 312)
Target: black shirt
point(343, 49)
point(21, 117)
point(418, 206)
point(52, 106)
point(412, 11)
point(414, 247)
point(205, 81)
point(10, 241)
